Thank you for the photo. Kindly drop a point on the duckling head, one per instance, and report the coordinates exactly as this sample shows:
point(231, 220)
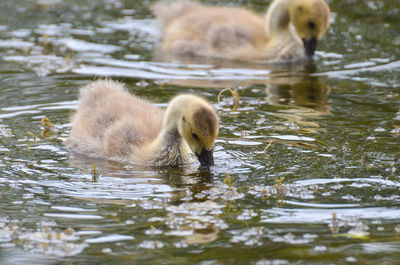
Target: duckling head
point(198, 125)
point(310, 18)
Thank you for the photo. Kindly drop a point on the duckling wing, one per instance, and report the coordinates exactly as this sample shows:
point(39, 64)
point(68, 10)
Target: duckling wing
point(129, 133)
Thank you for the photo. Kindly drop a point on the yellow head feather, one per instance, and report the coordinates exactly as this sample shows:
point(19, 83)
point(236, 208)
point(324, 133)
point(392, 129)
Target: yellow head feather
point(310, 18)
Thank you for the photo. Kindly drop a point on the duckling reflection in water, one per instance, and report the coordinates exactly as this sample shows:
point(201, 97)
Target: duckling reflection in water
point(307, 92)
point(290, 30)
point(111, 123)
point(307, 99)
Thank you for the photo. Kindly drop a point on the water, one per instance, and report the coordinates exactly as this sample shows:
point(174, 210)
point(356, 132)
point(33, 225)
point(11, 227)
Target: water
point(307, 161)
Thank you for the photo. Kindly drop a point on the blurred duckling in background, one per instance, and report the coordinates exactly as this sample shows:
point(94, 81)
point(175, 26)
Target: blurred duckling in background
point(111, 123)
point(289, 31)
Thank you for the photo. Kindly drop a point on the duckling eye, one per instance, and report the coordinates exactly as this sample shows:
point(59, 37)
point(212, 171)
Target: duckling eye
point(195, 136)
point(300, 8)
point(311, 24)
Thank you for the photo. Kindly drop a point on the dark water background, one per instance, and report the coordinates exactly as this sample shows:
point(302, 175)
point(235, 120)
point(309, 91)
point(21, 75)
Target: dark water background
point(307, 162)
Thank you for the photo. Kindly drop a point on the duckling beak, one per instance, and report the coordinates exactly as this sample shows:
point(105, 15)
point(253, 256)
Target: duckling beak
point(310, 46)
point(206, 158)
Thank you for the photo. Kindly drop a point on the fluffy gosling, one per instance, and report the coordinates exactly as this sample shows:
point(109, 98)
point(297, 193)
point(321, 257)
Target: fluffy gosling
point(289, 31)
point(111, 123)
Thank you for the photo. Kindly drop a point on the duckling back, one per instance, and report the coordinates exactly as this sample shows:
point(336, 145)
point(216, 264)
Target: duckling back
point(109, 121)
point(211, 31)
point(166, 12)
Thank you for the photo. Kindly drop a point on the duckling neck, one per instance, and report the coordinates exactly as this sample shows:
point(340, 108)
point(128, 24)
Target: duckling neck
point(168, 148)
point(277, 18)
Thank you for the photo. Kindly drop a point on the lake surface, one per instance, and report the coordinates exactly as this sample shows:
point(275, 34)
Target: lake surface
point(307, 161)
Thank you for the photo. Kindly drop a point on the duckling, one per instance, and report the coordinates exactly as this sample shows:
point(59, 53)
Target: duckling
point(111, 123)
point(289, 31)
